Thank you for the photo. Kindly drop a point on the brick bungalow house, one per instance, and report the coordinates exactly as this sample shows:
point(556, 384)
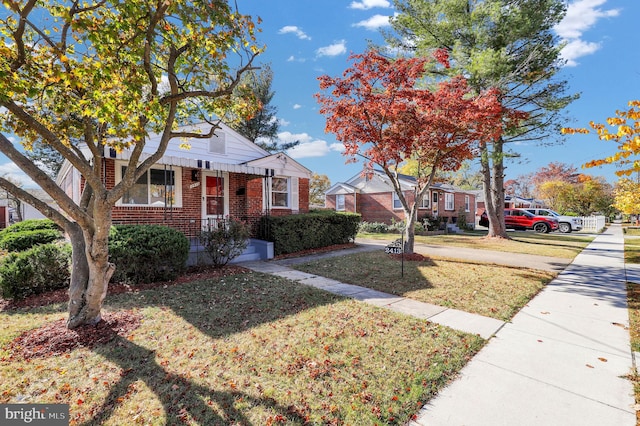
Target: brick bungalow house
point(223, 176)
point(374, 198)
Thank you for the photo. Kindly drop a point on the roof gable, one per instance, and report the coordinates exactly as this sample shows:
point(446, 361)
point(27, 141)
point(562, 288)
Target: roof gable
point(282, 165)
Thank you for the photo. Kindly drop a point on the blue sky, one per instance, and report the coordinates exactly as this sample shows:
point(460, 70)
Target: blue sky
point(306, 39)
point(309, 38)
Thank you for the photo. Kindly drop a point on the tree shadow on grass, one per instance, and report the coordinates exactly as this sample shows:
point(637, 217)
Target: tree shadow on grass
point(217, 308)
point(182, 399)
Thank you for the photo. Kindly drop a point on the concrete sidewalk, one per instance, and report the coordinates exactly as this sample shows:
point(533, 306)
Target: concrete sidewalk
point(561, 361)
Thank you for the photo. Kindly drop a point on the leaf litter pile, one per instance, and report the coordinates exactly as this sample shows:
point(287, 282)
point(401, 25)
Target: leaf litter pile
point(56, 339)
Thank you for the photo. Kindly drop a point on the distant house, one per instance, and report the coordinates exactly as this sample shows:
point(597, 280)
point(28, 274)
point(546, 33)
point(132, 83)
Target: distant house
point(510, 202)
point(374, 198)
point(225, 175)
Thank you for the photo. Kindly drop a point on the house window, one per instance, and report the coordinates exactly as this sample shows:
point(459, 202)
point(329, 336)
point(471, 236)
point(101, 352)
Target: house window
point(435, 198)
point(466, 203)
point(424, 204)
point(448, 201)
point(280, 192)
point(397, 204)
point(157, 187)
point(340, 202)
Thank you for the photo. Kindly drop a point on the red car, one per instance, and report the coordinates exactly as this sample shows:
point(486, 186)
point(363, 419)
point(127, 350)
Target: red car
point(522, 219)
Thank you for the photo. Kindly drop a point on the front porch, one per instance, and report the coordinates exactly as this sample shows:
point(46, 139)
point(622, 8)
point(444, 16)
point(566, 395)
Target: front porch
point(258, 249)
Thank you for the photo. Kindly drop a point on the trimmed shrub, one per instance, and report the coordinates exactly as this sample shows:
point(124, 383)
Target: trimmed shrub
point(28, 233)
point(147, 253)
point(37, 270)
point(30, 225)
point(225, 242)
point(24, 240)
point(298, 232)
point(374, 227)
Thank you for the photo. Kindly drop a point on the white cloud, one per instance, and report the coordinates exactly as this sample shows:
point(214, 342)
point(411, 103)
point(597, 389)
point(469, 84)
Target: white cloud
point(336, 147)
point(295, 30)
point(581, 16)
point(309, 146)
point(369, 4)
point(13, 172)
point(576, 49)
point(297, 106)
point(374, 23)
point(338, 48)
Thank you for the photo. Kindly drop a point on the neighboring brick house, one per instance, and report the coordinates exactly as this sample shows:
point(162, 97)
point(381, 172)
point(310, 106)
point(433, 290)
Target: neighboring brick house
point(374, 198)
point(223, 176)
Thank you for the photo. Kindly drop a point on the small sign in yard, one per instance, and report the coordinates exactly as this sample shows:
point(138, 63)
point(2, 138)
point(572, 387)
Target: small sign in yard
point(393, 248)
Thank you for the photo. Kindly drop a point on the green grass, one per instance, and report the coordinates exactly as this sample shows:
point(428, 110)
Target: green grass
point(490, 290)
point(553, 244)
point(632, 255)
point(244, 349)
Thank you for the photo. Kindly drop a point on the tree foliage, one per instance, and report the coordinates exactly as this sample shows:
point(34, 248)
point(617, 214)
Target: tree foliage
point(82, 77)
point(498, 44)
point(626, 135)
point(317, 187)
point(377, 111)
point(555, 171)
point(583, 197)
point(262, 126)
point(627, 196)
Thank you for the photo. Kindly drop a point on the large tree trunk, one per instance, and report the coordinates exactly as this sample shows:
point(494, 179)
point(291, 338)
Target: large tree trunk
point(92, 272)
point(409, 230)
point(492, 168)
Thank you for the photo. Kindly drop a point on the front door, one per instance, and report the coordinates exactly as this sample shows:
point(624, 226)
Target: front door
point(215, 200)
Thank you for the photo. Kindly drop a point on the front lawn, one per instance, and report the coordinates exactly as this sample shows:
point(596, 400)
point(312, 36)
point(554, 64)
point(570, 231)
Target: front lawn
point(553, 244)
point(490, 290)
point(244, 349)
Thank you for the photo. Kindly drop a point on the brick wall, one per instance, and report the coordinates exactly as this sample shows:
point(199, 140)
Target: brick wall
point(303, 195)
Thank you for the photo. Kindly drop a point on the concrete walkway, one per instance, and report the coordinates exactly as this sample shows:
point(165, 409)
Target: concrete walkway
point(561, 361)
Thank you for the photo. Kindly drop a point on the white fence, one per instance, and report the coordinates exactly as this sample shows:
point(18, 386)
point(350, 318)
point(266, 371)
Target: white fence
point(593, 223)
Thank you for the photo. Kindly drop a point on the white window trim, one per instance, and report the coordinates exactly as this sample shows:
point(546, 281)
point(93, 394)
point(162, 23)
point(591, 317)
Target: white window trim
point(394, 198)
point(271, 192)
point(426, 197)
point(177, 172)
point(467, 203)
point(338, 207)
point(449, 201)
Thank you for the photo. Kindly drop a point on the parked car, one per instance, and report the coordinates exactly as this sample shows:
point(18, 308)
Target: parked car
point(522, 219)
point(566, 224)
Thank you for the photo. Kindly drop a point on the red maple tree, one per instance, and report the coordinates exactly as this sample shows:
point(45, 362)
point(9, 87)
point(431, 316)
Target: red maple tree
point(383, 110)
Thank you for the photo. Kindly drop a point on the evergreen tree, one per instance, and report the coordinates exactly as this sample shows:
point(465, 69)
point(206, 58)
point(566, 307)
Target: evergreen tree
point(262, 127)
point(503, 44)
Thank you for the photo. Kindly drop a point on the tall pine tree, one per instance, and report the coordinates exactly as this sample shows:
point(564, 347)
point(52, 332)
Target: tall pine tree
point(504, 44)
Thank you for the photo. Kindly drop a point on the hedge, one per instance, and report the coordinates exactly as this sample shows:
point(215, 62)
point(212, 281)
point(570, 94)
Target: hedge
point(298, 232)
point(147, 253)
point(37, 270)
